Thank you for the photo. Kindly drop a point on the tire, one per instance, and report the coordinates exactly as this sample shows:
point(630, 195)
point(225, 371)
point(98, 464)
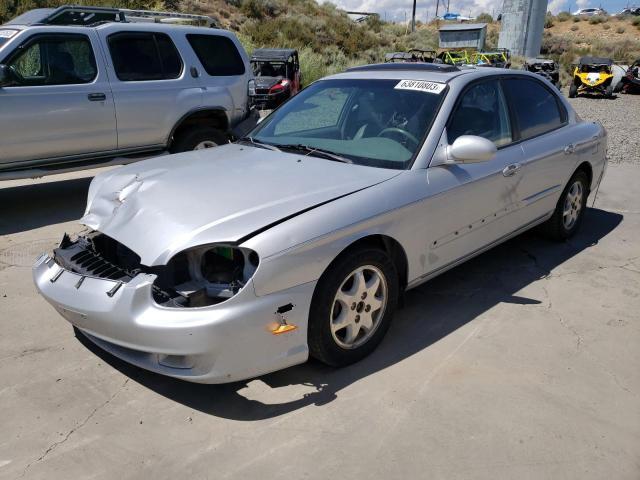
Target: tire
point(556, 227)
point(618, 87)
point(609, 91)
point(339, 346)
point(573, 91)
point(197, 138)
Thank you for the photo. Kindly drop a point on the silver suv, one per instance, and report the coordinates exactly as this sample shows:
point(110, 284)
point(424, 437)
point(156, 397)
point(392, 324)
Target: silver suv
point(85, 83)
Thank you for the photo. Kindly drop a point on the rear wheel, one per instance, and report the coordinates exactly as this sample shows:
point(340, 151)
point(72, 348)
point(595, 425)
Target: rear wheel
point(198, 138)
point(352, 307)
point(573, 90)
point(570, 208)
point(618, 87)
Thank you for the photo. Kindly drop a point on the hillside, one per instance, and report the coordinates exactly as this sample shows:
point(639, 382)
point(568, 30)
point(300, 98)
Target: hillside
point(329, 41)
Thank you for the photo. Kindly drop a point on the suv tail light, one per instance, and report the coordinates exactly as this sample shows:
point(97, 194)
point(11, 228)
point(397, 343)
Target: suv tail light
point(252, 87)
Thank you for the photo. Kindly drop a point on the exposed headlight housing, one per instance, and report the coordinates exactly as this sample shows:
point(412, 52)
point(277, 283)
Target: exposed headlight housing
point(204, 276)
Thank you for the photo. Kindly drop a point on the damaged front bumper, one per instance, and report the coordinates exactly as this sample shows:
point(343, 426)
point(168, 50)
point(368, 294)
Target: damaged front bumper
point(229, 341)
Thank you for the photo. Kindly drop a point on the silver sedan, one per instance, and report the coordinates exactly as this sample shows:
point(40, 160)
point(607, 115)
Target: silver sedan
point(298, 240)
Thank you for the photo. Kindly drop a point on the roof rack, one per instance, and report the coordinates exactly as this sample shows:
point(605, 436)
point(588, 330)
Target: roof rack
point(418, 66)
point(89, 16)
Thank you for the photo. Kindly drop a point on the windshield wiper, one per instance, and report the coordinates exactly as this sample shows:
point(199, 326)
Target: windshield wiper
point(318, 152)
point(259, 144)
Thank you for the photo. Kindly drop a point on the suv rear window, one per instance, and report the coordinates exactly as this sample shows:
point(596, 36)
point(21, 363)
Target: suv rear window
point(142, 56)
point(218, 55)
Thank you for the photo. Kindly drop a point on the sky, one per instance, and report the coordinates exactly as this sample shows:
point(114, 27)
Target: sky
point(395, 10)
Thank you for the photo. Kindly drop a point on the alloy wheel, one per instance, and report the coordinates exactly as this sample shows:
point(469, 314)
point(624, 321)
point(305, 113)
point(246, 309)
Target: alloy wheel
point(358, 306)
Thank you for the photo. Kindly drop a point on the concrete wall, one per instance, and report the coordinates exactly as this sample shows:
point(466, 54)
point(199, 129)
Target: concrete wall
point(522, 26)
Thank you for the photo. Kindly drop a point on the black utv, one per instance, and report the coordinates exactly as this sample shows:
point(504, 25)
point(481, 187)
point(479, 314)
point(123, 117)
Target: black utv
point(544, 67)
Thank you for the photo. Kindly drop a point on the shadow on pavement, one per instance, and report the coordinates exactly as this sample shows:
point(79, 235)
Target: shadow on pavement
point(432, 311)
point(33, 206)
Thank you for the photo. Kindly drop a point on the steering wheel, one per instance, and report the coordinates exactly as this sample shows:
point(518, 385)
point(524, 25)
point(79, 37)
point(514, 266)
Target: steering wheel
point(404, 133)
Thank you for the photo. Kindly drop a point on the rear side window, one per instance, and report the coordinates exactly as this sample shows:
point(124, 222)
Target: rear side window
point(536, 109)
point(218, 55)
point(142, 56)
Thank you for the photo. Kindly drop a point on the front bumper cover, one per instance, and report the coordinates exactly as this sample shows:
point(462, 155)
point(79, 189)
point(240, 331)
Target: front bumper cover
point(221, 343)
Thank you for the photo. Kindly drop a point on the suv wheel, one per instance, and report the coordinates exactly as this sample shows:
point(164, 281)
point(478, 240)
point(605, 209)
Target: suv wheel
point(352, 307)
point(198, 138)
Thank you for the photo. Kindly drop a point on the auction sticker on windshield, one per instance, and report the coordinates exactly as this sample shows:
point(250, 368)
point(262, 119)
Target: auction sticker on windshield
point(420, 86)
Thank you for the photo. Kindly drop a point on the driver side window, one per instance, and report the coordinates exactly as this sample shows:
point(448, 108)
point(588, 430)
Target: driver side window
point(57, 60)
point(482, 111)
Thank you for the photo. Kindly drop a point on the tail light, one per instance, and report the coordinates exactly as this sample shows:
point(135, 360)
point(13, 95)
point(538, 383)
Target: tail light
point(252, 87)
point(279, 87)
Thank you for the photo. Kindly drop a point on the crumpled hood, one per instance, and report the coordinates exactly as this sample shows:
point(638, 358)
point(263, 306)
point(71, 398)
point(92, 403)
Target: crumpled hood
point(266, 82)
point(164, 205)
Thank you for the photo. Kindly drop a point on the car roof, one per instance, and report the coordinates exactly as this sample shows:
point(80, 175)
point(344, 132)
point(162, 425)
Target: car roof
point(421, 71)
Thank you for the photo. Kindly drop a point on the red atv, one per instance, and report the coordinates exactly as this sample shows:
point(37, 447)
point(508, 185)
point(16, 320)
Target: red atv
point(277, 76)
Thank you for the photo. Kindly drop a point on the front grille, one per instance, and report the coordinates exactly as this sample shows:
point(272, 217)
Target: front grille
point(97, 255)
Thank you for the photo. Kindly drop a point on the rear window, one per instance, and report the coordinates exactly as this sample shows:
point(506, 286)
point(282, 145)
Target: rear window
point(142, 56)
point(536, 109)
point(218, 55)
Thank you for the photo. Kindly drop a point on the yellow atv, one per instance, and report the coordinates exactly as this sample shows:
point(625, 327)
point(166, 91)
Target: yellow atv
point(453, 57)
point(592, 75)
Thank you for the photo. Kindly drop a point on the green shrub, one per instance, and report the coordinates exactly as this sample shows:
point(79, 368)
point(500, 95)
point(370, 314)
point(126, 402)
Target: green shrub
point(596, 19)
point(575, 19)
point(563, 16)
point(575, 28)
point(636, 22)
point(620, 30)
point(606, 26)
point(548, 21)
point(484, 18)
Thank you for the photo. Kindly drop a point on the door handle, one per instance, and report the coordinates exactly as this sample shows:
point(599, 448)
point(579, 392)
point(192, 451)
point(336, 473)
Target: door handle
point(511, 170)
point(569, 149)
point(97, 97)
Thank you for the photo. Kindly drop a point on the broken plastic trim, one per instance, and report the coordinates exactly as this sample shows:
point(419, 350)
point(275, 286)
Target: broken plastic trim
point(204, 276)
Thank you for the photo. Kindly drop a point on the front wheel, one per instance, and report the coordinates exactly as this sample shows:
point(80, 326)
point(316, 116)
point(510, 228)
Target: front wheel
point(570, 208)
point(609, 91)
point(573, 90)
point(352, 307)
point(198, 138)
point(618, 87)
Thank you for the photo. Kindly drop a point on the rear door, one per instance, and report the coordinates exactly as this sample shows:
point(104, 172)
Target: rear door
point(225, 80)
point(62, 106)
point(152, 86)
point(552, 146)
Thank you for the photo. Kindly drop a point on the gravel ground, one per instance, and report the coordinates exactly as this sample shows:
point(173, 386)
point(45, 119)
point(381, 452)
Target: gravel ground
point(621, 117)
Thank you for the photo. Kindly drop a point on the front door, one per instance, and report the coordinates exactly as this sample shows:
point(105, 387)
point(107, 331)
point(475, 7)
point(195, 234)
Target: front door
point(474, 205)
point(61, 104)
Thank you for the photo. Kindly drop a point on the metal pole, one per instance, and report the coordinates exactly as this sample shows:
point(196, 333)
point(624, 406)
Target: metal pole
point(413, 17)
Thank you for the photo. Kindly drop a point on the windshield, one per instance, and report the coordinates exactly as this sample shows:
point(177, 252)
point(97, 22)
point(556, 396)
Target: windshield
point(379, 123)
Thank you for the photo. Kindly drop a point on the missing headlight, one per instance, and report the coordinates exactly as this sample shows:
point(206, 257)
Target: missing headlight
point(205, 276)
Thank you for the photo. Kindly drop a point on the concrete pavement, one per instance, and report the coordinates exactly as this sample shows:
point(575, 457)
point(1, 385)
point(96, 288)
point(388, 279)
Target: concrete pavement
point(523, 363)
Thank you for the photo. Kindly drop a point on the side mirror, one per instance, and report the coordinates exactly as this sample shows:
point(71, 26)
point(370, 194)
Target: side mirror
point(7, 76)
point(471, 149)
